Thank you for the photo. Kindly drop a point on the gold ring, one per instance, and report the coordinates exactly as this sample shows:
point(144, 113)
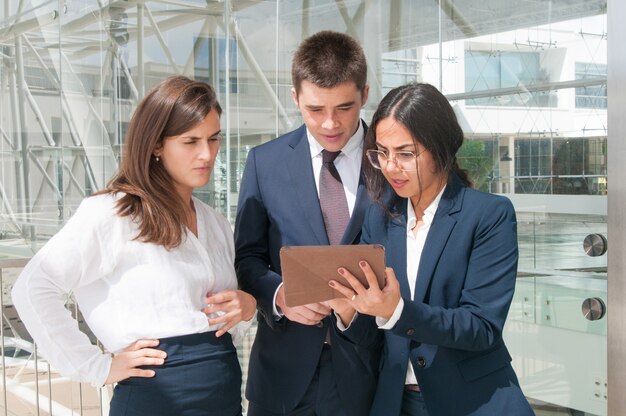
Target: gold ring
point(353, 297)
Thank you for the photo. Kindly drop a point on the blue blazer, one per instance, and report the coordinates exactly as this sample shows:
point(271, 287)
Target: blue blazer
point(278, 206)
point(452, 330)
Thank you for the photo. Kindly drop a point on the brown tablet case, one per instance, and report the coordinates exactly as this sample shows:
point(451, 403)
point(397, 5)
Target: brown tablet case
point(306, 270)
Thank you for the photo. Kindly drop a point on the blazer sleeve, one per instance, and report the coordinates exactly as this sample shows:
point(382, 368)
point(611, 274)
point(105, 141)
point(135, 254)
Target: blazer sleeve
point(252, 250)
point(477, 319)
point(363, 331)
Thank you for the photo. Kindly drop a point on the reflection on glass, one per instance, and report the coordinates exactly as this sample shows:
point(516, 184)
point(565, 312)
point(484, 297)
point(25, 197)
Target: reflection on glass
point(527, 80)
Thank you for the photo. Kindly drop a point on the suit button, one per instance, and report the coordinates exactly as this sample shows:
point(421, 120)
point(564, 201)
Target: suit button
point(410, 331)
point(421, 362)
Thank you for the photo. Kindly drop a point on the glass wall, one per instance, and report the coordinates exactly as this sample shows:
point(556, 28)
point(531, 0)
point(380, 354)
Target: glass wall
point(527, 80)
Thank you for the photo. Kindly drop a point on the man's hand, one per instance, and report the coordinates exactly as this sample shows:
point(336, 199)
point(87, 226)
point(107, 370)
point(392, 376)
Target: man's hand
point(310, 314)
point(124, 364)
point(343, 308)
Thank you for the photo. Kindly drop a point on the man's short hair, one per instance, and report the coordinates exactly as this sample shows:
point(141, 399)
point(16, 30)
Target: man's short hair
point(328, 59)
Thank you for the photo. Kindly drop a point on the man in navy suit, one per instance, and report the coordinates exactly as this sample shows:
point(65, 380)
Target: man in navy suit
point(318, 358)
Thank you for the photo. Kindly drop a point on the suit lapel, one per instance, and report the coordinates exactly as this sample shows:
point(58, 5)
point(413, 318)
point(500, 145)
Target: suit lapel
point(358, 214)
point(303, 184)
point(396, 252)
point(438, 236)
point(361, 204)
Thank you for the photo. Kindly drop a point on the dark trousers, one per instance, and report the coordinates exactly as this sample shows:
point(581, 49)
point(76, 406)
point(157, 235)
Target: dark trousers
point(320, 399)
point(413, 404)
point(201, 376)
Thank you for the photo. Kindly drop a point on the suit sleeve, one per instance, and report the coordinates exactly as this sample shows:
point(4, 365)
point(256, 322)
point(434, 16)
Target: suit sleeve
point(363, 331)
point(477, 322)
point(252, 257)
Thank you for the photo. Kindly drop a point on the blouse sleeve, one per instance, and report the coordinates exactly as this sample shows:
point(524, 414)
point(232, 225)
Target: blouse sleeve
point(237, 332)
point(83, 251)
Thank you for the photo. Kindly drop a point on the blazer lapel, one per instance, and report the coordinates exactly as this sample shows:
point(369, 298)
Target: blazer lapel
point(303, 182)
point(361, 204)
point(358, 214)
point(396, 252)
point(439, 233)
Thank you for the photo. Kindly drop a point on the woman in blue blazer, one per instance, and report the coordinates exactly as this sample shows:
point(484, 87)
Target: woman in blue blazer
point(454, 252)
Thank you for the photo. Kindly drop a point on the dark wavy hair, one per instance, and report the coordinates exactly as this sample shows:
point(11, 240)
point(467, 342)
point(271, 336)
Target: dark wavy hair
point(429, 117)
point(170, 108)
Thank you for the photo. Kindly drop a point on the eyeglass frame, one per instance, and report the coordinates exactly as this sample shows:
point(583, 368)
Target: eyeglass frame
point(391, 156)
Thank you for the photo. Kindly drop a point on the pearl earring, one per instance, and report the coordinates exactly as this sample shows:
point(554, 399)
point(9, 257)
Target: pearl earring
point(158, 159)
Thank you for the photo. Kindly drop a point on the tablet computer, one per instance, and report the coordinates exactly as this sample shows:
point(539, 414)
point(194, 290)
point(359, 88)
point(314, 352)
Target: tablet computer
point(308, 269)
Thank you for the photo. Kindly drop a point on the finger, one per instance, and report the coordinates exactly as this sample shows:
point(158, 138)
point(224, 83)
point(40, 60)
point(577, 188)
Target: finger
point(221, 297)
point(139, 361)
point(369, 275)
point(220, 307)
point(304, 320)
point(148, 352)
point(310, 314)
point(391, 282)
point(230, 320)
point(345, 291)
point(319, 308)
point(225, 328)
point(353, 281)
point(139, 372)
point(142, 343)
point(303, 315)
point(223, 318)
point(224, 306)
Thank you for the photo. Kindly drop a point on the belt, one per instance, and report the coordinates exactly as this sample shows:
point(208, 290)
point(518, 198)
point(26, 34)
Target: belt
point(412, 387)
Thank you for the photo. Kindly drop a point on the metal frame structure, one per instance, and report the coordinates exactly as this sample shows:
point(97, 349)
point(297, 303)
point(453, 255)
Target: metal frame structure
point(120, 20)
point(617, 215)
point(94, 147)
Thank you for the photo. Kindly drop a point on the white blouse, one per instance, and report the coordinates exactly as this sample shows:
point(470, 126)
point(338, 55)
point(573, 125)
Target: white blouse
point(125, 289)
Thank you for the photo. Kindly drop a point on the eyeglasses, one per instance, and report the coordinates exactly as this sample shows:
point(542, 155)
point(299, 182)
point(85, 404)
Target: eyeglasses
point(405, 161)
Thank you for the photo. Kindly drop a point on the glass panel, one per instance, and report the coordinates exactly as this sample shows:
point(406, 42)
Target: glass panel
point(532, 101)
point(527, 80)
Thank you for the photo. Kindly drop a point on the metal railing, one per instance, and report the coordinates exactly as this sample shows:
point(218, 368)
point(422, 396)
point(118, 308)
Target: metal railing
point(29, 385)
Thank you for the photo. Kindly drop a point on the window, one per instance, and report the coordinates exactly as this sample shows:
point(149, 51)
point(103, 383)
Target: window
point(593, 96)
point(490, 70)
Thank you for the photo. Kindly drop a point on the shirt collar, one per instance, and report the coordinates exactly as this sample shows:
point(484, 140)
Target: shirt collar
point(429, 213)
point(353, 149)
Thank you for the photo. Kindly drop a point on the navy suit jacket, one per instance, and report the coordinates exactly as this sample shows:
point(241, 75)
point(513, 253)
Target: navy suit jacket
point(452, 330)
point(279, 206)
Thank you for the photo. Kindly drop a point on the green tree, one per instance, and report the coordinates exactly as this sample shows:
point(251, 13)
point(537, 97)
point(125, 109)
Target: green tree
point(473, 157)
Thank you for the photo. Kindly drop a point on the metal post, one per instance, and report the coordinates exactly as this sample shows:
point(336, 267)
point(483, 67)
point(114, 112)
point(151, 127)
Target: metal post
point(227, 101)
point(616, 339)
point(140, 54)
point(4, 368)
point(23, 134)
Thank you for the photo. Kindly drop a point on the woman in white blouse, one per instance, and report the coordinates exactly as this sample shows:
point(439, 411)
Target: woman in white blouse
point(151, 268)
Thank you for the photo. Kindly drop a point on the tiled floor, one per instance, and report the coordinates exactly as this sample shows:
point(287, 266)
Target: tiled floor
point(544, 409)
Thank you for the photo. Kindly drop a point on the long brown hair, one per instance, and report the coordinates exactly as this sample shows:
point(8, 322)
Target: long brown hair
point(170, 108)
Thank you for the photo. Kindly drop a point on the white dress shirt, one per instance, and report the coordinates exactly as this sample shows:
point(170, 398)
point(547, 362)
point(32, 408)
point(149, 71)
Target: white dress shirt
point(125, 289)
point(414, 247)
point(348, 164)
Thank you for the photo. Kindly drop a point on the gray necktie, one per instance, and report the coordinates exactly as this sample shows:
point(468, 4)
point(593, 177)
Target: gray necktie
point(333, 198)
